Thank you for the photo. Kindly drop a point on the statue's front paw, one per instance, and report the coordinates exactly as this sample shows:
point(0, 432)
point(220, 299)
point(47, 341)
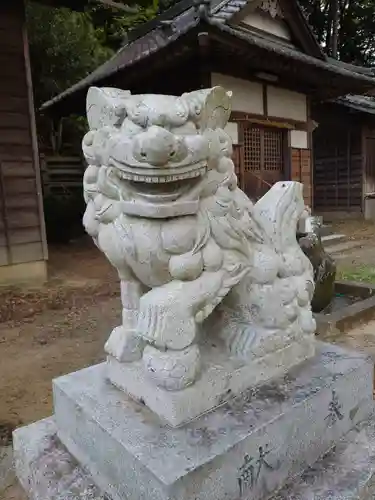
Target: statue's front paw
point(165, 322)
point(124, 345)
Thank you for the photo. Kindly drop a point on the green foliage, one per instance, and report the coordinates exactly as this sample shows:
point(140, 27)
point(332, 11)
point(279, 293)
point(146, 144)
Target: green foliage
point(64, 47)
point(355, 26)
point(365, 274)
point(115, 24)
point(63, 215)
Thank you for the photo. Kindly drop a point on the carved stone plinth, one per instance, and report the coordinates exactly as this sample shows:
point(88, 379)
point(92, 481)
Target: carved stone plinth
point(248, 448)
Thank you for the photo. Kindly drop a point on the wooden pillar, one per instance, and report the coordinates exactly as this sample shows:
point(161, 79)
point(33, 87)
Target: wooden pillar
point(301, 171)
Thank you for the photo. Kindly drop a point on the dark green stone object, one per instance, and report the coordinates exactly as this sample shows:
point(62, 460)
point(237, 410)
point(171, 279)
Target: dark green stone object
point(323, 264)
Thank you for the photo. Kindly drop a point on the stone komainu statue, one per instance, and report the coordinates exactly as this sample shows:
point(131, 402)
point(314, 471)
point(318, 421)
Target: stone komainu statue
point(323, 264)
point(196, 258)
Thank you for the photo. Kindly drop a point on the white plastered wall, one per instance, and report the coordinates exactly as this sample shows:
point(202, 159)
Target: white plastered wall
point(299, 139)
point(247, 96)
point(283, 103)
point(266, 23)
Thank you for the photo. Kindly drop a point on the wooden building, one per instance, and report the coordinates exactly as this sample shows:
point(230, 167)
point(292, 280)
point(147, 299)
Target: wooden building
point(262, 50)
point(344, 155)
point(23, 247)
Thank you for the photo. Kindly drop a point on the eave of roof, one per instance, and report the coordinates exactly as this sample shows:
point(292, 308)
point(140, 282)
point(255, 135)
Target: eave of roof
point(224, 11)
point(363, 104)
point(344, 70)
point(142, 48)
point(153, 36)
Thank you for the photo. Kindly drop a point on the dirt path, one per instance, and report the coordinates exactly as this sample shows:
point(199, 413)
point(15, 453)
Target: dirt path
point(32, 354)
point(360, 338)
point(363, 231)
point(57, 342)
point(51, 330)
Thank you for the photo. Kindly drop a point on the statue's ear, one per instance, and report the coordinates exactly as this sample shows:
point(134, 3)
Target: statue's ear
point(216, 109)
point(106, 107)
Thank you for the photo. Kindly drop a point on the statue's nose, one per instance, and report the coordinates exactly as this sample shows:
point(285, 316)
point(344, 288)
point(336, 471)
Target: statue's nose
point(156, 147)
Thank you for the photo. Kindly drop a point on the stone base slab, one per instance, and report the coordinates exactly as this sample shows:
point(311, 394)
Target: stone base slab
point(45, 468)
point(222, 377)
point(247, 448)
point(346, 473)
point(47, 471)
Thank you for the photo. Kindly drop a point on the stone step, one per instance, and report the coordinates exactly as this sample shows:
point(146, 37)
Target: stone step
point(7, 476)
point(340, 250)
point(332, 239)
point(326, 230)
point(347, 472)
point(46, 470)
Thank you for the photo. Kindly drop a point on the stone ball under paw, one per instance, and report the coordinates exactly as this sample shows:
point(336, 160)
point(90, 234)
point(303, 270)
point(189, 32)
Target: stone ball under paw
point(172, 370)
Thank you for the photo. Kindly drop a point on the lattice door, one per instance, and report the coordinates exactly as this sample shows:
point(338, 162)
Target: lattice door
point(263, 152)
point(237, 158)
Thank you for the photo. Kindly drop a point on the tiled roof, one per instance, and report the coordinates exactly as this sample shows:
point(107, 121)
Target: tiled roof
point(227, 9)
point(136, 50)
point(365, 104)
point(292, 53)
point(183, 17)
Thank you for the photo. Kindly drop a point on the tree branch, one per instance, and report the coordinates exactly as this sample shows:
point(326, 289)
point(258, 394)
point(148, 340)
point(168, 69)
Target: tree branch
point(120, 6)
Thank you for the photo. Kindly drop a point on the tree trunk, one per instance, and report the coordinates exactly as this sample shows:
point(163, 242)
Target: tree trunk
point(335, 16)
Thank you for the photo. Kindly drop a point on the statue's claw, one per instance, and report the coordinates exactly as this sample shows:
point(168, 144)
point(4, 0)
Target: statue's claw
point(124, 345)
point(164, 321)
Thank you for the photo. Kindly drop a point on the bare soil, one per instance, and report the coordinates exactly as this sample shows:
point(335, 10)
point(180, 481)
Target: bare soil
point(364, 232)
point(60, 327)
point(54, 329)
point(51, 330)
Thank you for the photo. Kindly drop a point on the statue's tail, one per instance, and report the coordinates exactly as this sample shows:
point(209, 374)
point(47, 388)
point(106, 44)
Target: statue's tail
point(278, 212)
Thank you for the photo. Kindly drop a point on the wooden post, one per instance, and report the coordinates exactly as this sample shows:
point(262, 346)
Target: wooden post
point(34, 137)
point(5, 216)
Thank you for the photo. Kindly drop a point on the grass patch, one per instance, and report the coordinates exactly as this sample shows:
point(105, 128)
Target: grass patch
point(364, 274)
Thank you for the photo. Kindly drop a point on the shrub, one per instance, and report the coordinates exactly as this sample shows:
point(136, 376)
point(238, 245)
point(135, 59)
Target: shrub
point(63, 216)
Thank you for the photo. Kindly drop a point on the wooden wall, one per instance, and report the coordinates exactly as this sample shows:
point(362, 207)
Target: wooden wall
point(22, 234)
point(338, 160)
point(368, 144)
point(301, 172)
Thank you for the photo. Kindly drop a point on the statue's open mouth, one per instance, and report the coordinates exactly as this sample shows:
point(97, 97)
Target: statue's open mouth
point(158, 175)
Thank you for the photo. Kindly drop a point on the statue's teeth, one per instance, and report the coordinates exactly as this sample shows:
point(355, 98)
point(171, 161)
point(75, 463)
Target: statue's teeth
point(155, 179)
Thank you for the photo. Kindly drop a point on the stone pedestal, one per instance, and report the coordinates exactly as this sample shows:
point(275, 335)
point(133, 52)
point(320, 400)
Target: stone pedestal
point(222, 377)
point(103, 444)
